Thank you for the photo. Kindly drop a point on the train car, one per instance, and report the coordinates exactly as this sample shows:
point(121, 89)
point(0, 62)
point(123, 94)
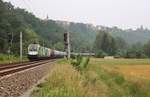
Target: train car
point(37, 52)
point(58, 54)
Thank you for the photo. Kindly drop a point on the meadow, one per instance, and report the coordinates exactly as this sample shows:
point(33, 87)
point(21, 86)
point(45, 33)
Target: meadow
point(101, 78)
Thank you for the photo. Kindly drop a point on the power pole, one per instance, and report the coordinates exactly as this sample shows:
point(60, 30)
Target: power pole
point(20, 46)
point(67, 43)
point(10, 40)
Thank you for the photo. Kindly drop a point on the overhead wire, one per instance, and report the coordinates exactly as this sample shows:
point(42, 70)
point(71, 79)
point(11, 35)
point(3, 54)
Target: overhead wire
point(27, 5)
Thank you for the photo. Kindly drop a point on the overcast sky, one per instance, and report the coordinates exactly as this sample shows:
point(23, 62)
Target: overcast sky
point(121, 13)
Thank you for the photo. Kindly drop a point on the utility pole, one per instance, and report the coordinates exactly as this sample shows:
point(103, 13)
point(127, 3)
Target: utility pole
point(20, 46)
point(10, 40)
point(67, 43)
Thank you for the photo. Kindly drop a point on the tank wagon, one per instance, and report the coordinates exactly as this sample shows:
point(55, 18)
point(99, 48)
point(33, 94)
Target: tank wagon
point(37, 52)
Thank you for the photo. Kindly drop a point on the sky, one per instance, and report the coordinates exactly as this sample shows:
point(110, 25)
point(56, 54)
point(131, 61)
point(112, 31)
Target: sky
point(122, 13)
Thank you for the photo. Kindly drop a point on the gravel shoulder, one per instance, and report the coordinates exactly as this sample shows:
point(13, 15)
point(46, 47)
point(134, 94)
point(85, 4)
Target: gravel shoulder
point(29, 91)
point(17, 84)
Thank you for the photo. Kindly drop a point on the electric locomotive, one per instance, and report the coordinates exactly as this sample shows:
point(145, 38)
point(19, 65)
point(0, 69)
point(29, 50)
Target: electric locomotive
point(37, 52)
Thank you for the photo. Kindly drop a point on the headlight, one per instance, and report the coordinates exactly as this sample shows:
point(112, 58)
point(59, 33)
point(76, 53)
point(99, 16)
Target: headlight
point(33, 53)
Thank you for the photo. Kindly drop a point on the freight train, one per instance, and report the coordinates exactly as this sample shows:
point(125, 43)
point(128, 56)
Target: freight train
point(37, 52)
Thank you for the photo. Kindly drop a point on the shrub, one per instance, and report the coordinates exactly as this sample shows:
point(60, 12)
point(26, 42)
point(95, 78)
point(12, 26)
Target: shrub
point(120, 53)
point(1, 58)
point(80, 63)
point(76, 62)
point(100, 54)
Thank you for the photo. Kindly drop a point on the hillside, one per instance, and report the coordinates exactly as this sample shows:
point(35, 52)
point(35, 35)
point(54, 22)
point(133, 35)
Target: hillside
point(15, 20)
point(82, 35)
point(50, 32)
point(35, 30)
point(130, 36)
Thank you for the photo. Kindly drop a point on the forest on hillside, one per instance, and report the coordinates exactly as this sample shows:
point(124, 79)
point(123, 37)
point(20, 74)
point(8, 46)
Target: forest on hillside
point(84, 37)
point(107, 45)
point(35, 30)
point(16, 20)
point(140, 34)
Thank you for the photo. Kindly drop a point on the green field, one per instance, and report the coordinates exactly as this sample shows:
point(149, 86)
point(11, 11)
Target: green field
point(102, 78)
point(120, 61)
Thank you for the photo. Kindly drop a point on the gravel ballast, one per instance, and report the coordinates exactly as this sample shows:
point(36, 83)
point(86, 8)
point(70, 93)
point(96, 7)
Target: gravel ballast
point(16, 84)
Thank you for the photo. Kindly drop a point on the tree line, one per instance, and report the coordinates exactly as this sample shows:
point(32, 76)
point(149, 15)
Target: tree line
point(106, 45)
point(16, 20)
point(50, 34)
point(35, 30)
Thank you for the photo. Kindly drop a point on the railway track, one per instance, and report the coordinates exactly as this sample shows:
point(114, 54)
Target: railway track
point(13, 68)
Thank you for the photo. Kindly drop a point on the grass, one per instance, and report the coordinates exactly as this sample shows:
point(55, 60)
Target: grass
point(64, 81)
point(120, 61)
point(120, 87)
point(10, 59)
point(95, 81)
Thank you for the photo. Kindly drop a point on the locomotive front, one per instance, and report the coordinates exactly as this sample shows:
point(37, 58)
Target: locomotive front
point(33, 50)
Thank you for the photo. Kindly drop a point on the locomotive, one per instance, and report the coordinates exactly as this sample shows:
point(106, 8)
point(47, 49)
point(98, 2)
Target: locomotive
point(37, 52)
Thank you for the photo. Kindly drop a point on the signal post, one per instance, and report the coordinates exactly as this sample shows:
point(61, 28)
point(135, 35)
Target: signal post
point(67, 43)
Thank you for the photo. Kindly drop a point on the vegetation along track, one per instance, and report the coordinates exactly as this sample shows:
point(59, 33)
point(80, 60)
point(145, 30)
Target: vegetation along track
point(13, 68)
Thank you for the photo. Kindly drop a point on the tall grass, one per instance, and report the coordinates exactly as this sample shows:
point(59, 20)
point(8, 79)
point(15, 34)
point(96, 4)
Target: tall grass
point(10, 58)
point(119, 86)
point(67, 81)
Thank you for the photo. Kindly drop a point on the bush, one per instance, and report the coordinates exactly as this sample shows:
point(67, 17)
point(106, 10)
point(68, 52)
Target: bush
point(1, 57)
point(76, 62)
point(120, 54)
point(80, 63)
point(100, 54)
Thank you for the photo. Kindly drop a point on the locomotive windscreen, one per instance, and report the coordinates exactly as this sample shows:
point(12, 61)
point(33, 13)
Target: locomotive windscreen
point(33, 47)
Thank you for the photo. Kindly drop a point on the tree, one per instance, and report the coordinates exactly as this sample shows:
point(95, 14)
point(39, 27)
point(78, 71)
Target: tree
point(121, 43)
point(59, 46)
point(135, 51)
point(105, 42)
point(14, 20)
point(147, 48)
point(100, 54)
